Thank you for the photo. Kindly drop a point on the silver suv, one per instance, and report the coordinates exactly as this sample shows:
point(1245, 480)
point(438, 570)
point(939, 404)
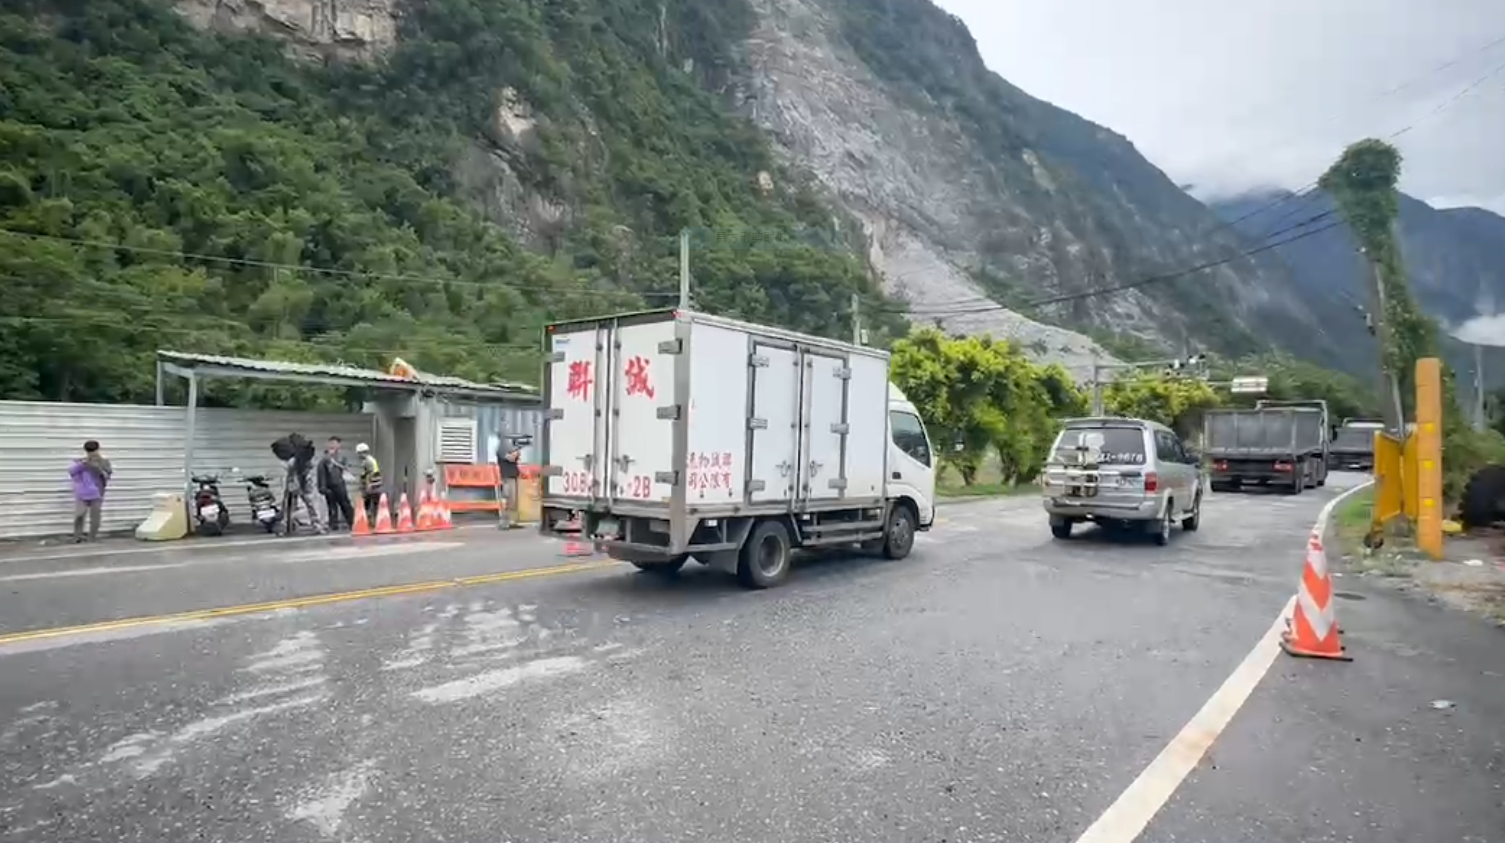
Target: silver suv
point(1122, 473)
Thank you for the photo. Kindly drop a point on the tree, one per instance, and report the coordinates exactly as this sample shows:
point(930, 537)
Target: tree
point(1177, 403)
point(1293, 379)
point(1363, 184)
point(988, 397)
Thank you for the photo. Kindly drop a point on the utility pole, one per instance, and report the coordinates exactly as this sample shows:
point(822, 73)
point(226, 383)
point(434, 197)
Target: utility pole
point(1478, 387)
point(1388, 382)
point(1097, 385)
point(856, 320)
point(684, 269)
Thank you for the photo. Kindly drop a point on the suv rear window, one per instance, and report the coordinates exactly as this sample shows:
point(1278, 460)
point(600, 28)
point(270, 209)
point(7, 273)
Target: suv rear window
point(1115, 445)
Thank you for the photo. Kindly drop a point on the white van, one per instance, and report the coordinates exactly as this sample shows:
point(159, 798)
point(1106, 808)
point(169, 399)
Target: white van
point(678, 435)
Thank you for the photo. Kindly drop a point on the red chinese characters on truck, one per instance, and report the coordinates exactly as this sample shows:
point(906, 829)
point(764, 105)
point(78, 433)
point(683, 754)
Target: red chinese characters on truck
point(579, 384)
point(638, 381)
point(710, 472)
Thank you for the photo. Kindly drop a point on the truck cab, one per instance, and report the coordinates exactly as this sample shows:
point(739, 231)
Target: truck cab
point(911, 458)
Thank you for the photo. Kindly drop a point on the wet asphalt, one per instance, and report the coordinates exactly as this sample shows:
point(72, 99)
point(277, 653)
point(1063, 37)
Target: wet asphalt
point(996, 685)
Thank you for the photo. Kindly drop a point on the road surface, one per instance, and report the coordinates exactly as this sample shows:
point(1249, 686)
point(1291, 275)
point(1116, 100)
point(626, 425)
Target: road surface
point(997, 685)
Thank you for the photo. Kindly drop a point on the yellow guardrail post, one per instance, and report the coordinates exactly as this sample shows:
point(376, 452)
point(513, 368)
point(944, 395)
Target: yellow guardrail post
point(1429, 456)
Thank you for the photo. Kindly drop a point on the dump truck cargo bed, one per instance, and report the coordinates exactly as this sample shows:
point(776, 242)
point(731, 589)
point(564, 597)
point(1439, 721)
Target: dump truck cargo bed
point(1284, 445)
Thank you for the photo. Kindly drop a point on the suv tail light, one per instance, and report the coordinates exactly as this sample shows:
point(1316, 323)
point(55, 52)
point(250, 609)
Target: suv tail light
point(1151, 481)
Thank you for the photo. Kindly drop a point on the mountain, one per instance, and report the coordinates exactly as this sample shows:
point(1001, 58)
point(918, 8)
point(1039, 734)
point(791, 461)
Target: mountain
point(349, 179)
point(969, 189)
point(1455, 259)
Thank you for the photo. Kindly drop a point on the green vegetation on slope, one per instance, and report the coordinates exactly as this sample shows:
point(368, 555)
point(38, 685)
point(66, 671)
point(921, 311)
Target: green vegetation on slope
point(206, 192)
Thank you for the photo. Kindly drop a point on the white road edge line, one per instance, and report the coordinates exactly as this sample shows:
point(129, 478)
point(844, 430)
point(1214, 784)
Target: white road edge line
point(1132, 811)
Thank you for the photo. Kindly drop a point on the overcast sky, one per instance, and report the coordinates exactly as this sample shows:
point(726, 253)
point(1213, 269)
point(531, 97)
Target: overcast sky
point(1230, 96)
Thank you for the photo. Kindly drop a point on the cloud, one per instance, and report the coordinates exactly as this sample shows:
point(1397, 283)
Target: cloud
point(1482, 330)
point(1232, 97)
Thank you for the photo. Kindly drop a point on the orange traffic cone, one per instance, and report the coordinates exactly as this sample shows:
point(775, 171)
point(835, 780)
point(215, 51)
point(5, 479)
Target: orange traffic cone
point(383, 515)
point(446, 522)
point(427, 516)
point(404, 514)
point(577, 549)
point(1313, 630)
point(361, 527)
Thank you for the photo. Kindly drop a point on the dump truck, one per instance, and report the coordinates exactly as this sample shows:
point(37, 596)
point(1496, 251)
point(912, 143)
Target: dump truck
point(1353, 445)
point(672, 435)
point(1283, 446)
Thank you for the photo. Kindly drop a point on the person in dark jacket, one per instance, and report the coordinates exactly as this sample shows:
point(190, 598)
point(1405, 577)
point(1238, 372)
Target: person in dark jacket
point(507, 465)
point(331, 479)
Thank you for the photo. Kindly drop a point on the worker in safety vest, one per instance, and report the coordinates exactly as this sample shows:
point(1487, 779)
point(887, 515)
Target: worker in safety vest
point(370, 478)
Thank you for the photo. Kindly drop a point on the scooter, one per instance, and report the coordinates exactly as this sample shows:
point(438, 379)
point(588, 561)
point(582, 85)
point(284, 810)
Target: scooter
point(208, 507)
point(265, 510)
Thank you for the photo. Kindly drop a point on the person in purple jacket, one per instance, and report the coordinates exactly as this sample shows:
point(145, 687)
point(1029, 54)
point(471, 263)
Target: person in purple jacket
point(90, 476)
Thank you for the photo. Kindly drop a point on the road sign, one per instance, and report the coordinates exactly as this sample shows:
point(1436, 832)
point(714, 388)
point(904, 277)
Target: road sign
point(1250, 385)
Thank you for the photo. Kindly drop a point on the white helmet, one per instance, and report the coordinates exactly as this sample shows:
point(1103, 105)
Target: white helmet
point(362, 448)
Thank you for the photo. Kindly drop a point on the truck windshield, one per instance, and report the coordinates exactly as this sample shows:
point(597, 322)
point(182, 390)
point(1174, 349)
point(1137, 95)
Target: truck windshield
point(1101, 445)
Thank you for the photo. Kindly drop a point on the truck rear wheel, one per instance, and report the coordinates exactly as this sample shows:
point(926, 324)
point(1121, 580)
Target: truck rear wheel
point(765, 557)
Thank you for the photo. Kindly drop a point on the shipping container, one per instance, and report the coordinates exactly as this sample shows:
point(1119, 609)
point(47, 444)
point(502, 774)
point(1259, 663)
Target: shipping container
point(673, 434)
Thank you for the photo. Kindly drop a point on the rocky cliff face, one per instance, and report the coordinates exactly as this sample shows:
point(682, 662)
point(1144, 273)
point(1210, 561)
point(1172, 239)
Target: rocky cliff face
point(318, 28)
point(975, 195)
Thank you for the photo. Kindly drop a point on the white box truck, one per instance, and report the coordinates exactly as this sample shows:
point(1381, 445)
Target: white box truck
point(673, 435)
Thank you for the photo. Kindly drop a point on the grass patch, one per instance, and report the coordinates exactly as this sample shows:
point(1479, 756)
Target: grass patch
point(988, 483)
point(1351, 519)
point(984, 490)
point(1396, 558)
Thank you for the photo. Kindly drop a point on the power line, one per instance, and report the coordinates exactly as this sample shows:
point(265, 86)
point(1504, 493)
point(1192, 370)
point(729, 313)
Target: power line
point(112, 320)
point(1153, 279)
point(1448, 103)
point(187, 257)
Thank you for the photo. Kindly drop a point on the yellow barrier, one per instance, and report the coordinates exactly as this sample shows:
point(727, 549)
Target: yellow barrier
point(1388, 480)
point(1409, 490)
point(1429, 456)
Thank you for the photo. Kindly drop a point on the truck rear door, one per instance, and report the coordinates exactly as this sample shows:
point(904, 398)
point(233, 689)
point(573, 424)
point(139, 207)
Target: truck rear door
point(578, 394)
point(641, 443)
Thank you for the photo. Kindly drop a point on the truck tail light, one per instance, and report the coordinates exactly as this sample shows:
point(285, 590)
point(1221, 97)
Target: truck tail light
point(1282, 466)
point(1220, 466)
point(1151, 482)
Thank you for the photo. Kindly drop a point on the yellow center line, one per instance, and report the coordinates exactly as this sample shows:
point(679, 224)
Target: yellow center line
point(304, 602)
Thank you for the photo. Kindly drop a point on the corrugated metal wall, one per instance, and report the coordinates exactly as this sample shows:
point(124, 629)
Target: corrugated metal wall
point(496, 420)
point(145, 445)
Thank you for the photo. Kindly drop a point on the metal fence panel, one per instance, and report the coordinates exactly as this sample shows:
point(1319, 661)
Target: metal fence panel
point(496, 420)
point(38, 440)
